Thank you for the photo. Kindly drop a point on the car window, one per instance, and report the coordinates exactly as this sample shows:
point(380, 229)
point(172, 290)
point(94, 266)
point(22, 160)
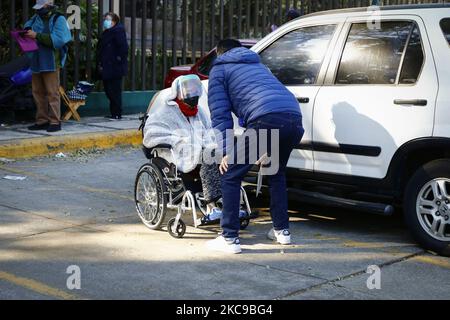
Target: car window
point(296, 58)
point(414, 58)
point(373, 55)
point(445, 26)
point(205, 67)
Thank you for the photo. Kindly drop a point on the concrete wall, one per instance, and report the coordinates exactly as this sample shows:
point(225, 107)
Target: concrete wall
point(97, 103)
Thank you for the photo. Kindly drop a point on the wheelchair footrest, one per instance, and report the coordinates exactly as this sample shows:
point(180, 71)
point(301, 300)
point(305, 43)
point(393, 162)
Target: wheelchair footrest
point(209, 223)
point(251, 216)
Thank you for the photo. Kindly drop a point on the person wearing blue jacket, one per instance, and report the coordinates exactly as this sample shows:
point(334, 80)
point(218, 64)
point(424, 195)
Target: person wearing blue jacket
point(239, 84)
point(51, 31)
point(112, 61)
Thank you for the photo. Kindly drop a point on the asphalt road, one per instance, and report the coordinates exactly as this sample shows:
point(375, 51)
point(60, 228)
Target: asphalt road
point(77, 214)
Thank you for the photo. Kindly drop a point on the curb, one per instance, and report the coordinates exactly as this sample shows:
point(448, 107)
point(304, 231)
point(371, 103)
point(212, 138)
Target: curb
point(34, 147)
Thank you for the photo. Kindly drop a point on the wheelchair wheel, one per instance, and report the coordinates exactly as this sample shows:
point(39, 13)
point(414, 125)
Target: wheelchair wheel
point(180, 229)
point(149, 194)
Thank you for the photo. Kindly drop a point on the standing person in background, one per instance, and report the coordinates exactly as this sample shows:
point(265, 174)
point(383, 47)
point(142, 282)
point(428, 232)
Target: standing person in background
point(51, 31)
point(112, 61)
point(291, 15)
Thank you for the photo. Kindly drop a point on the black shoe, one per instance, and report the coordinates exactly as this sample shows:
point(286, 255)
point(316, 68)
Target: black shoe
point(54, 128)
point(114, 117)
point(37, 127)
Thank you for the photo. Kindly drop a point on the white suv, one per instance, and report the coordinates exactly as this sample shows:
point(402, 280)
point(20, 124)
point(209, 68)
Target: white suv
point(374, 90)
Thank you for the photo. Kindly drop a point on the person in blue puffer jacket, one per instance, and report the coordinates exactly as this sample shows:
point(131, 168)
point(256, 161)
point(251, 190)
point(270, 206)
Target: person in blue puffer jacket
point(240, 84)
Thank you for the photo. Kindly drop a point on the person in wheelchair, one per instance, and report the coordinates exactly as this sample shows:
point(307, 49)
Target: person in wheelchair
point(177, 117)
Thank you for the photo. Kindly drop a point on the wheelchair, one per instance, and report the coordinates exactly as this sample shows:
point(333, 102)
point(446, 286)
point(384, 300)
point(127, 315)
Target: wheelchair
point(160, 187)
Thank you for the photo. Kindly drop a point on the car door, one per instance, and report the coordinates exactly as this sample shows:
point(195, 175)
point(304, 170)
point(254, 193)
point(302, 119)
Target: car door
point(298, 57)
point(379, 93)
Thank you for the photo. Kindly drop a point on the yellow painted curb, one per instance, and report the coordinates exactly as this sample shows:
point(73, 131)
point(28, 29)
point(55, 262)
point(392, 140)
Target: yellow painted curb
point(27, 148)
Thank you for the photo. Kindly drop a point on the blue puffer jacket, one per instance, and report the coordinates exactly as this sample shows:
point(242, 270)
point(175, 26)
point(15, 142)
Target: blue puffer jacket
point(239, 83)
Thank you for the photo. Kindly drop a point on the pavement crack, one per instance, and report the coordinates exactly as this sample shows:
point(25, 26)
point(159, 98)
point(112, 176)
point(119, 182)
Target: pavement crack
point(38, 215)
point(337, 285)
point(68, 185)
point(91, 225)
point(102, 126)
point(354, 274)
point(41, 233)
point(23, 130)
point(287, 271)
point(71, 225)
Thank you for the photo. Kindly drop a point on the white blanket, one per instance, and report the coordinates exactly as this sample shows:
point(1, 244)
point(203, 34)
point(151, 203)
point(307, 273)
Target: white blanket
point(189, 137)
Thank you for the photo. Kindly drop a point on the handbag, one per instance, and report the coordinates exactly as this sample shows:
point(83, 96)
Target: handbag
point(25, 44)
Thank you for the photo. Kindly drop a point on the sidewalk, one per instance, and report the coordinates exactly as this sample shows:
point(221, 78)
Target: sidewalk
point(17, 141)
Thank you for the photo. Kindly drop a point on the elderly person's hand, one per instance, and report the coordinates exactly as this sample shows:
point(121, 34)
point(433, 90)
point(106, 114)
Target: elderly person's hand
point(223, 168)
point(31, 34)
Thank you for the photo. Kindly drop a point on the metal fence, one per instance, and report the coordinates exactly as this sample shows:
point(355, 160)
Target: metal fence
point(164, 33)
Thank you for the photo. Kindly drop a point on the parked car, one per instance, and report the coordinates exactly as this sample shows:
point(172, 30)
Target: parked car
point(375, 112)
point(201, 68)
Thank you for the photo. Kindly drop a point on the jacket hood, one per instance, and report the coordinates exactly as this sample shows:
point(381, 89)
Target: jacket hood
point(238, 55)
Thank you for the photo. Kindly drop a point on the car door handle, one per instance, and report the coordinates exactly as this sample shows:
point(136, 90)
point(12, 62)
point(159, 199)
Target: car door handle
point(413, 102)
point(303, 99)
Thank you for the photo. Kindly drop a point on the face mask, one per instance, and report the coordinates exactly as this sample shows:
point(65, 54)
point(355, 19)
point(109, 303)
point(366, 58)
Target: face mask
point(186, 109)
point(107, 24)
point(43, 11)
point(193, 102)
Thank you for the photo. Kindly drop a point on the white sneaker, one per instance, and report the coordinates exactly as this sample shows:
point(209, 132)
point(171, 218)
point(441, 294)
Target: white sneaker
point(225, 245)
point(282, 236)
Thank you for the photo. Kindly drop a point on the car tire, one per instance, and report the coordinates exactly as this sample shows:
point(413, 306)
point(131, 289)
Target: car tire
point(421, 207)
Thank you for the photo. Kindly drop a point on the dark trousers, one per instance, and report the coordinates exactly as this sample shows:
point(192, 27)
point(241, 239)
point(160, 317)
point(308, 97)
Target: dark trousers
point(113, 90)
point(290, 134)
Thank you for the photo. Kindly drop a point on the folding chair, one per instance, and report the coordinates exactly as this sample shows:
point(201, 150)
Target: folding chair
point(72, 105)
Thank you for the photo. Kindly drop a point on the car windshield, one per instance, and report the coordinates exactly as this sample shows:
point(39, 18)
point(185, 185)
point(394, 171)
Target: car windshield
point(205, 67)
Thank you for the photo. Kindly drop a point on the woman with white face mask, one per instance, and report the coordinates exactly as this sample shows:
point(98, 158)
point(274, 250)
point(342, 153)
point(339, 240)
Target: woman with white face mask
point(112, 61)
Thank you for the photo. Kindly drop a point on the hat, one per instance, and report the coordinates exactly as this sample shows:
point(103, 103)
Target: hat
point(40, 3)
